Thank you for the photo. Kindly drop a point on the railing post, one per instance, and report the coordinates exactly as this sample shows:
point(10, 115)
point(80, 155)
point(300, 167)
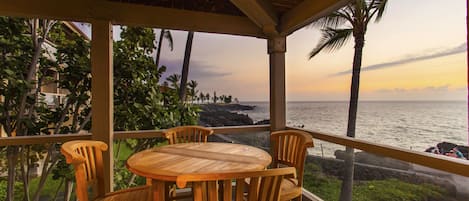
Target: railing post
point(276, 46)
point(102, 93)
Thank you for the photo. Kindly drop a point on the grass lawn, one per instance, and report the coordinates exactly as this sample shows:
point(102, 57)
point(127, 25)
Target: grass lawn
point(49, 189)
point(328, 188)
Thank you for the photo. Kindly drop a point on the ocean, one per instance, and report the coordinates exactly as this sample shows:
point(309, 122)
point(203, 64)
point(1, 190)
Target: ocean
point(415, 125)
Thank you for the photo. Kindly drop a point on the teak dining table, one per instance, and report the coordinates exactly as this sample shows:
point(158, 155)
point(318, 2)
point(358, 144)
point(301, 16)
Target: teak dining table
point(164, 164)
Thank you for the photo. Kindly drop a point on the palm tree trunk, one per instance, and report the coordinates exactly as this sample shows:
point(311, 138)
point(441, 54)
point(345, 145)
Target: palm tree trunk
point(347, 182)
point(185, 66)
point(158, 51)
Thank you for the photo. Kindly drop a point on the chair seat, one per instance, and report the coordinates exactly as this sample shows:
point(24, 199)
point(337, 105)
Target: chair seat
point(141, 193)
point(289, 189)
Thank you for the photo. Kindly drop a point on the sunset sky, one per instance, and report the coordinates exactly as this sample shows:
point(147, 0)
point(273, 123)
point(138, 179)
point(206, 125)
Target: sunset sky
point(416, 52)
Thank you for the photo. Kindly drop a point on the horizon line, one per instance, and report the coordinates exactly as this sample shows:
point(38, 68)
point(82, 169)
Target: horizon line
point(458, 100)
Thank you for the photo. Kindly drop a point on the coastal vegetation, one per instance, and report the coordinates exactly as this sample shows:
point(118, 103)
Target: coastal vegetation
point(38, 54)
point(337, 28)
point(328, 188)
point(27, 66)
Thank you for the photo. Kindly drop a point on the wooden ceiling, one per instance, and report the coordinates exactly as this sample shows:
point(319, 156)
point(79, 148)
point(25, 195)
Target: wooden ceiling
point(212, 6)
point(258, 18)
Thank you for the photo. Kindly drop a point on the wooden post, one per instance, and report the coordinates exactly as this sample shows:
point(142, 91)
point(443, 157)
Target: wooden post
point(276, 48)
point(102, 94)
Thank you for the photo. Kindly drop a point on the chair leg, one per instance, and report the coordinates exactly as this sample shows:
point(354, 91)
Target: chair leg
point(170, 191)
point(299, 198)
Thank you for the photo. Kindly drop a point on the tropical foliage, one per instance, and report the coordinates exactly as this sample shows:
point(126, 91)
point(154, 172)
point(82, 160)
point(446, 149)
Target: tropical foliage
point(140, 102)
point(28, 66)
point(38, 53)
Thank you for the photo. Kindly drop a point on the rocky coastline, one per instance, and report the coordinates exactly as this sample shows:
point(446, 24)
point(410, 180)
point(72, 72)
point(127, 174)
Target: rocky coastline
point(213, 115)
point(368, 166)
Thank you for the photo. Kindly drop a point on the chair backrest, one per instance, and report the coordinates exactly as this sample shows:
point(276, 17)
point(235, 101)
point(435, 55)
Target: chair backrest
point(86, 158)
point(289, 148)
point(184, 134)
point(264, 185)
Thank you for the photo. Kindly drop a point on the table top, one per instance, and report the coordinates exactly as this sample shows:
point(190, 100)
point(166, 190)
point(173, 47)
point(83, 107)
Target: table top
point(167, 162)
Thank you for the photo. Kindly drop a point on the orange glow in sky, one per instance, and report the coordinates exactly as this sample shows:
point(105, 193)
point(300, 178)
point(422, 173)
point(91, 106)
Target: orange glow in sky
point(412, 34)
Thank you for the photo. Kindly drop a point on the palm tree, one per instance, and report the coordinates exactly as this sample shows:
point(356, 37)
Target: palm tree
point(192, 89)
point(215, 97)
point(351, 20)
point(202, 97)
point(174, 80)
point(167, 35)
point(185, 65)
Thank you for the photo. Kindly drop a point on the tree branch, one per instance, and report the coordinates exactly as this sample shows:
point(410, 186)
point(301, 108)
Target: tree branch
point(87, 119)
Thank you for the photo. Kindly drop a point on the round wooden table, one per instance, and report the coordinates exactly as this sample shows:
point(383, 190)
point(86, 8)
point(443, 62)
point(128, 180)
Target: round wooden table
point(167, 162)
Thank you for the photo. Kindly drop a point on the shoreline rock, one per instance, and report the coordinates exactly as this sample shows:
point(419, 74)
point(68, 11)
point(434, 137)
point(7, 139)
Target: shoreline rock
point(445, 147)
point(224, 115)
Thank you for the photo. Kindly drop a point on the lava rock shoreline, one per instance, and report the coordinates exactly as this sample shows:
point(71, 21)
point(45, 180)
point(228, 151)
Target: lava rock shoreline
point(213, 115)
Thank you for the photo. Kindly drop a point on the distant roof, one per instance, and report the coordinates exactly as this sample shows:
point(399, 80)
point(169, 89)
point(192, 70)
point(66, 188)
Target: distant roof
point(77, 29)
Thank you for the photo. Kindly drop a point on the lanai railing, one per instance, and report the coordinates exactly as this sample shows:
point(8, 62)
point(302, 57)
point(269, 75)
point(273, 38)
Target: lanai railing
point(447, 164)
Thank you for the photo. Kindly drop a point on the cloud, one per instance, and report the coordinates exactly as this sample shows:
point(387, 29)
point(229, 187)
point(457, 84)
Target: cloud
point(197, 70)
point(442, 88)
point(414, 58)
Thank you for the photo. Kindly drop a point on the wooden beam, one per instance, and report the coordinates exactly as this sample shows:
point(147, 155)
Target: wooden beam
point(138, 15)
point(119, 135)
point(42, 139)
point(131, 14)
point(276, 49)
point(102, 94)
point(240, 129)
point(261, 13)
point(51, 9)
point(440, 162)
point(306, 12)
point(122, 135)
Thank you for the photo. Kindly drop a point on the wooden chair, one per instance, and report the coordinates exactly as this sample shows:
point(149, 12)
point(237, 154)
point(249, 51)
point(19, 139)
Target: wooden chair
point(289, 148)
point(264, 185)
point(86, 158)
point(185, 134)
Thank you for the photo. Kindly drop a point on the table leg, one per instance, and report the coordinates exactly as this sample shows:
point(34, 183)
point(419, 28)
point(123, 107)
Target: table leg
point(158, 190)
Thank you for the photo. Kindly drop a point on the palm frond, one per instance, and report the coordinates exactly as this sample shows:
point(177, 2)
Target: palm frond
point(376, 7)
point(335, 19)
point(381, 7)
point(169, 37)
point(331, 40)
point(359, 7)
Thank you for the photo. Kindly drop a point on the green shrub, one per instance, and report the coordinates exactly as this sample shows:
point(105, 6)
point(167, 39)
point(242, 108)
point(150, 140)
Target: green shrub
point(18, 190)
